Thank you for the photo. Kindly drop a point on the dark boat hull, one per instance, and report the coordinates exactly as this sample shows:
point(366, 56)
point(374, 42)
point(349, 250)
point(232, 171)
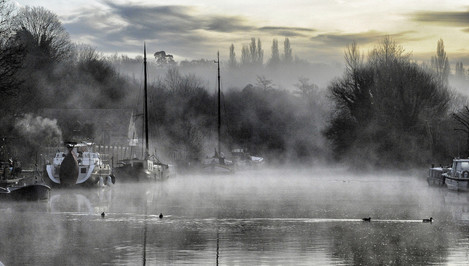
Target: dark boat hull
point(27, 192)
point(68, 171)
point(137, 171)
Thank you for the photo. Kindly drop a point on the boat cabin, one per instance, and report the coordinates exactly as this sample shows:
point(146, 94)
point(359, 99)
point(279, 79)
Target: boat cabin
point(460, 168)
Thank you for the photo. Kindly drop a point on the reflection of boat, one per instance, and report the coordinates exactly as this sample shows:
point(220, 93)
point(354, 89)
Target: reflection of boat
point(435, 176)
point(90, 201)
point(80, 166)
point(458, 204)
point(17, 184)
point(150, 168)
point(458, 178)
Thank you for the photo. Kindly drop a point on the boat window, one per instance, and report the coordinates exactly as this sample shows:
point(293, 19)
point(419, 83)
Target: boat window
point(83, 170)
point(463, 166)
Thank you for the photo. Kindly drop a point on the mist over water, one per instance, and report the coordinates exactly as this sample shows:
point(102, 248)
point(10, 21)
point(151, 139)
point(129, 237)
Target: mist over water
point(274, 216)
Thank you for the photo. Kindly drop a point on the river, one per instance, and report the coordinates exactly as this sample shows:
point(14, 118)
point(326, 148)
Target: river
point(283, 216)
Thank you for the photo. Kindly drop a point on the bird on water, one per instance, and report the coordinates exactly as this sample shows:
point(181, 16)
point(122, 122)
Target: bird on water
point(161, 216)
point(428, 220)
point(103, 214)
point(367, 219)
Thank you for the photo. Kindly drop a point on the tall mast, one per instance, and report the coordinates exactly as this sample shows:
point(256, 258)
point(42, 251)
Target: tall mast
point(219, 94)
point(145, 111)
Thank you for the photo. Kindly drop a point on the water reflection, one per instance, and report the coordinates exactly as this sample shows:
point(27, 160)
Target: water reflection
point(270, 217)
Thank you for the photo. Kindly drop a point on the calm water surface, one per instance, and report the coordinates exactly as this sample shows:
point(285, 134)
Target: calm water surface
point(268, 217)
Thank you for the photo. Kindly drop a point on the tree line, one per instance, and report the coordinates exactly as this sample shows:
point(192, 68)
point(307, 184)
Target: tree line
point(391, 111)
point(41, 68)
point(385, 110)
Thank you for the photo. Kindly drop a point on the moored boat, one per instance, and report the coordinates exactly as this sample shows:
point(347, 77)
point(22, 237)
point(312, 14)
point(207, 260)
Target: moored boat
point(142, 170)
point(32, 192)
point(242, 159)
point(458, 177)
point(435, 176)
point(149, 167)
point(17, 184)
point(217, 164)
point(79, 166)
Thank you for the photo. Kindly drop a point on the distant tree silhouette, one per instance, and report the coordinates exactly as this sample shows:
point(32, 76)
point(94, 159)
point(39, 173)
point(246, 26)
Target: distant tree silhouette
point(245, 56)
point(264, 83)
point(459, 70)
point(385, 106)
point(260, 53)
point(162, 58)
point(253, 51)
point(287, 51)
point(232, 63)
point(275, 58)
point(440, 63)
point(43, 33)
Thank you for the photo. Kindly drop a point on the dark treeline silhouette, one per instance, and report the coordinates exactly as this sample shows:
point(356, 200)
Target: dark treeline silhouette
point(278, 124)
point(390, 111)
point(41, 68)
point(386, 110)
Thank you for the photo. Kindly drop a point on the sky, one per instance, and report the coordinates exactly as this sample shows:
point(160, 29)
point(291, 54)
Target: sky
point(319, 31)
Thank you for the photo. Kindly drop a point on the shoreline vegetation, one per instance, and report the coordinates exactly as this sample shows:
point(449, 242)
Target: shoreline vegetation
point(385, 110)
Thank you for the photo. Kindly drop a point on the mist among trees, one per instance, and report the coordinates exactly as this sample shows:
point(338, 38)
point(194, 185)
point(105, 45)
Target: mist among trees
point(385, 110)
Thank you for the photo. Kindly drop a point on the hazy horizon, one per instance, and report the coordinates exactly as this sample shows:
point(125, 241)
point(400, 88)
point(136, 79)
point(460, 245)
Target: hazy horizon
point(318, 30)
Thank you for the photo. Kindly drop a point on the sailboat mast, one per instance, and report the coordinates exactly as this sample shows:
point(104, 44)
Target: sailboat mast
point(145, 111)
point(219, 108)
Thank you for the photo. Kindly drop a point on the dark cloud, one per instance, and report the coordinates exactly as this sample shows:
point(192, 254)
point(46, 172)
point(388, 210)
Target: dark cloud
point(362, 38)
point(446, 18)
point(227, 24)
point(114, 28)
point(287, 31)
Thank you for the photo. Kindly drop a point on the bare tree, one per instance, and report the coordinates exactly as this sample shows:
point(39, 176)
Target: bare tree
point(384, 105)
point(353, 58)
point(41, 26)
point(86, 53)
point(11, 53)
point(388, 52)
point(264, 83)
point(306, 88)
point(6, 15)
point(462, 118)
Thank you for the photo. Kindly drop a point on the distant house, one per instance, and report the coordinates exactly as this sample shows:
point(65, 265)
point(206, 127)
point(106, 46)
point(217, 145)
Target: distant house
point(101, 126)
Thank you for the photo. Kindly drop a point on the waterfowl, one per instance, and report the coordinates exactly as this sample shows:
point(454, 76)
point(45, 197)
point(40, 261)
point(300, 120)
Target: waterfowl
point(367, 219)
point(103, 214)
point(428, 220)
point(161, 216)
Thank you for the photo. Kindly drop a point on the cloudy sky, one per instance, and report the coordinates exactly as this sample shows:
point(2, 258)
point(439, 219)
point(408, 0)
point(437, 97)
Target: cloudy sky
point(318, 30)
